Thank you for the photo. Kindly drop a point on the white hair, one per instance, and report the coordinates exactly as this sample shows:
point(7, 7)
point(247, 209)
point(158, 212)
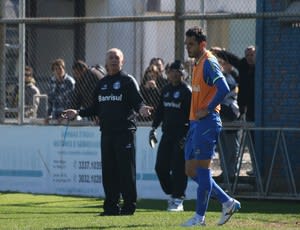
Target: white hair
point(115, 50)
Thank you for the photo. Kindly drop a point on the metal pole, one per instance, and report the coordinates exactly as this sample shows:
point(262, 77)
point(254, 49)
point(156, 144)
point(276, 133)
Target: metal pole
point(179, 30)
point(21, 103)
point(2, 64)
point(202, 11)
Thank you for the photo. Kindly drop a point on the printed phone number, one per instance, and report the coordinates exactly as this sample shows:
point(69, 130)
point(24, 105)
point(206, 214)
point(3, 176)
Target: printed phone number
point(90, 178)
point(89, 165)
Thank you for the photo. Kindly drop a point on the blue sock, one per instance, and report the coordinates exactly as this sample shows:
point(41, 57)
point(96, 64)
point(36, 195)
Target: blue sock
point(204, 181)
point(216, 191)
point(219, 193)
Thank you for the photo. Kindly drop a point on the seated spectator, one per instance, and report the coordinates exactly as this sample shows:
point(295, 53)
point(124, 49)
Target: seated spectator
point(62, 86)
point(30, 91)
point(99, 70)
point(86, 81)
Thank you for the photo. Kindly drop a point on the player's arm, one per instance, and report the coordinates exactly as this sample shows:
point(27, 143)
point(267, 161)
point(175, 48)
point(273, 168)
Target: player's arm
point(214, 76)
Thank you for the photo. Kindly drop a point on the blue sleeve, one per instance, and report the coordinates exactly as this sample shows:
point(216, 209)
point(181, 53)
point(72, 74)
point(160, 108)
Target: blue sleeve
point(222, 91)
point(212, 71)
point(214, 76)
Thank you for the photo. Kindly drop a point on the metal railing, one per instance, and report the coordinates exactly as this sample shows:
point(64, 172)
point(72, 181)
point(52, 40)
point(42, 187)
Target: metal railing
point(258, 186)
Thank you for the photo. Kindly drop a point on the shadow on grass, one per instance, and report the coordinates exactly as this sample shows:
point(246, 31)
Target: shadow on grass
point(147, 205)
point(144, 226)
point(248, 206)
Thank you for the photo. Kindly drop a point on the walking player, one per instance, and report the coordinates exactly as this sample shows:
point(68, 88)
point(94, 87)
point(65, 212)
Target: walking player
point(173, 113)
point(208, 90)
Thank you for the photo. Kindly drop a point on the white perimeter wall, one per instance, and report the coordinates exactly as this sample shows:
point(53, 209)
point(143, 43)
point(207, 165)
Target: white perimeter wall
point(37, 159)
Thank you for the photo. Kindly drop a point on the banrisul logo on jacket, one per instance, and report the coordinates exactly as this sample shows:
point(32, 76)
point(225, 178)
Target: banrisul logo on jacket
point(110, 98)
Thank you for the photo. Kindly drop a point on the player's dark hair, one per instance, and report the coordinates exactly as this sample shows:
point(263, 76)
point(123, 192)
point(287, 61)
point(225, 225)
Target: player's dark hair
point(177, 65)
point(196, 32)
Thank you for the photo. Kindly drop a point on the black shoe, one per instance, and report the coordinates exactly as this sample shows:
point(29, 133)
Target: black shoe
point(250, 173)
point(126, 213)
point(128, 209)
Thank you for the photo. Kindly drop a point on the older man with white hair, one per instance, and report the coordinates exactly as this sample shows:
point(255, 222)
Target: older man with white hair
point(116, 97)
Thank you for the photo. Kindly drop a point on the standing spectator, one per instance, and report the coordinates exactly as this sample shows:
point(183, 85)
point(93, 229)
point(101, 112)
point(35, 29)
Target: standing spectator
point(153, 81)
point(162, 79)
point(31, 93)
point(62, 86)
point(173, 113)
point(150, 87)
point(230, 112)
point(86, 81)
point(116, 98)
point(208, 90)
point(246, 97)
point(246, 68)
point(159, 62)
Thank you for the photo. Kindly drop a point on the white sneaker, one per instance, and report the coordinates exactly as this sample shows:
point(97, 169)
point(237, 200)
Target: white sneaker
point(194, 221)
point(227, 212)
point(175, 205)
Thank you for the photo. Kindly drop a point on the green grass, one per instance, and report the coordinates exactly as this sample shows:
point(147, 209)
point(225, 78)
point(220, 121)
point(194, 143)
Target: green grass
point(28, 211)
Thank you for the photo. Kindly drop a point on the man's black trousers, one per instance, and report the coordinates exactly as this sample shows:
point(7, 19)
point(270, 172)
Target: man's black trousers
point(170, 165)
point(119, 171)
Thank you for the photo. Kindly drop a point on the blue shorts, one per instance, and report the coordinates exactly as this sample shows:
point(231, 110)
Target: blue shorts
point(202, 137)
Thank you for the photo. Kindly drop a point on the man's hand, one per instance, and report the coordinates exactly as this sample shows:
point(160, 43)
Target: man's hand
point(145, 111)
point(216, 50)
point(152, 138)
point(69, 114)
point(182, 143)
point(151, 84)
point(202, 113)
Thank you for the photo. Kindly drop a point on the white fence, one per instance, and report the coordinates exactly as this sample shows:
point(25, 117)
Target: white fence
point(59, 160)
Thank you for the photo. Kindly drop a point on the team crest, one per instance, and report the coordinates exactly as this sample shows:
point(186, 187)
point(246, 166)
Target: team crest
point(176, 94)
point(117, 85)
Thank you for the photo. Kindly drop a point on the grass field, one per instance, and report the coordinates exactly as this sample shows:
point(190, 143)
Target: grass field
point(28, 211)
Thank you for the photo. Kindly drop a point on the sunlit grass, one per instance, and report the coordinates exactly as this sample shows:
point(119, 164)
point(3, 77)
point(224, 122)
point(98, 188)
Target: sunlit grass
point(28, 211)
